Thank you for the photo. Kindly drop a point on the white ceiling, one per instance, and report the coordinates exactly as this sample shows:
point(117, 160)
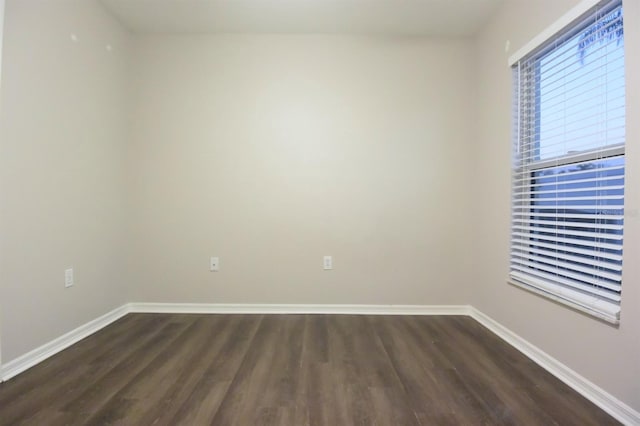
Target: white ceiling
point(447, 18)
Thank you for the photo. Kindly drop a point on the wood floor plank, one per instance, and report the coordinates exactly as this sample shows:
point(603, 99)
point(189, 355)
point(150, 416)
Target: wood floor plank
point(486, 379)
point(213, 378)
point(515, 379)
point(58, 367)
point(78, 410)
point(353, 401)
point(152, 383)
point(435, 396)
point(180, 383)
point(74, 376)
point(316, 398)
point(166, 369)
point(264, 382)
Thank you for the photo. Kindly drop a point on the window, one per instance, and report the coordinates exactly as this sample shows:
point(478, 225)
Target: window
point(569, 160)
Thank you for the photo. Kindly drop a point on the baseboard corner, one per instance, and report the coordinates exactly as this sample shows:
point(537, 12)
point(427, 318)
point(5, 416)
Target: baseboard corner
point(41, 353)
point(607, 402)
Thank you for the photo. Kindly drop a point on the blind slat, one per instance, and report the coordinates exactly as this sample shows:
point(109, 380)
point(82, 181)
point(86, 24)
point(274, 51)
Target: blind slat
point(569, 241)
point(517, 250)
point(555, 230)
point(571, 270)
point(599, 254)
point(526, 221)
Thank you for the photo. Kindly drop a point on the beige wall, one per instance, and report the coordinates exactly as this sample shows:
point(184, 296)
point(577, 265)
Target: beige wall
point(606, 355)
point(271, 151)
point(2, 4)
point(62, 169)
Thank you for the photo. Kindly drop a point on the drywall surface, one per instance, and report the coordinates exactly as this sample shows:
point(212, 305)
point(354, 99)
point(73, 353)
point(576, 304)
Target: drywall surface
point(62, 169)
point(2, 4)
point(606, 355)
point(271, 151)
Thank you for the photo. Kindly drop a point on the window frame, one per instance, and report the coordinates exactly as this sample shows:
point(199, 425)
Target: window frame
point(525, 163)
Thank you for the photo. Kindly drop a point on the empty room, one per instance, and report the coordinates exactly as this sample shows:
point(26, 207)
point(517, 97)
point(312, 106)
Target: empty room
point(319, 212)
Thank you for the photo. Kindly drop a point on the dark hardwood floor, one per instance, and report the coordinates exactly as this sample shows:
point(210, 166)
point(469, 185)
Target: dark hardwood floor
point(157, 369)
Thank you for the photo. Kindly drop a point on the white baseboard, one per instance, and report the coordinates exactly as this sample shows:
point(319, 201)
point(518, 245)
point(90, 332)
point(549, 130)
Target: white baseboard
point(37, 355)
point(28, 360)
point(222, 308)
point(589, 390)
point(616, 408)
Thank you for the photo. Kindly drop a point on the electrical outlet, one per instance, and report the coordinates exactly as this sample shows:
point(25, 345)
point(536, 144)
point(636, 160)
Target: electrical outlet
point(214, 264)
point(327, 263)
point(68, 277)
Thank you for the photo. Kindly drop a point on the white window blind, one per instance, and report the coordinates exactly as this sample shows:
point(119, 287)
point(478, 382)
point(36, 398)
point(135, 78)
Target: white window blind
point(568, 174)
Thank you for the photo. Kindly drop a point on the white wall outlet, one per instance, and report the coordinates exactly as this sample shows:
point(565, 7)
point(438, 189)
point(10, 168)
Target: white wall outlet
point(327, 263)
point(68, 277)
point(214, 264)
